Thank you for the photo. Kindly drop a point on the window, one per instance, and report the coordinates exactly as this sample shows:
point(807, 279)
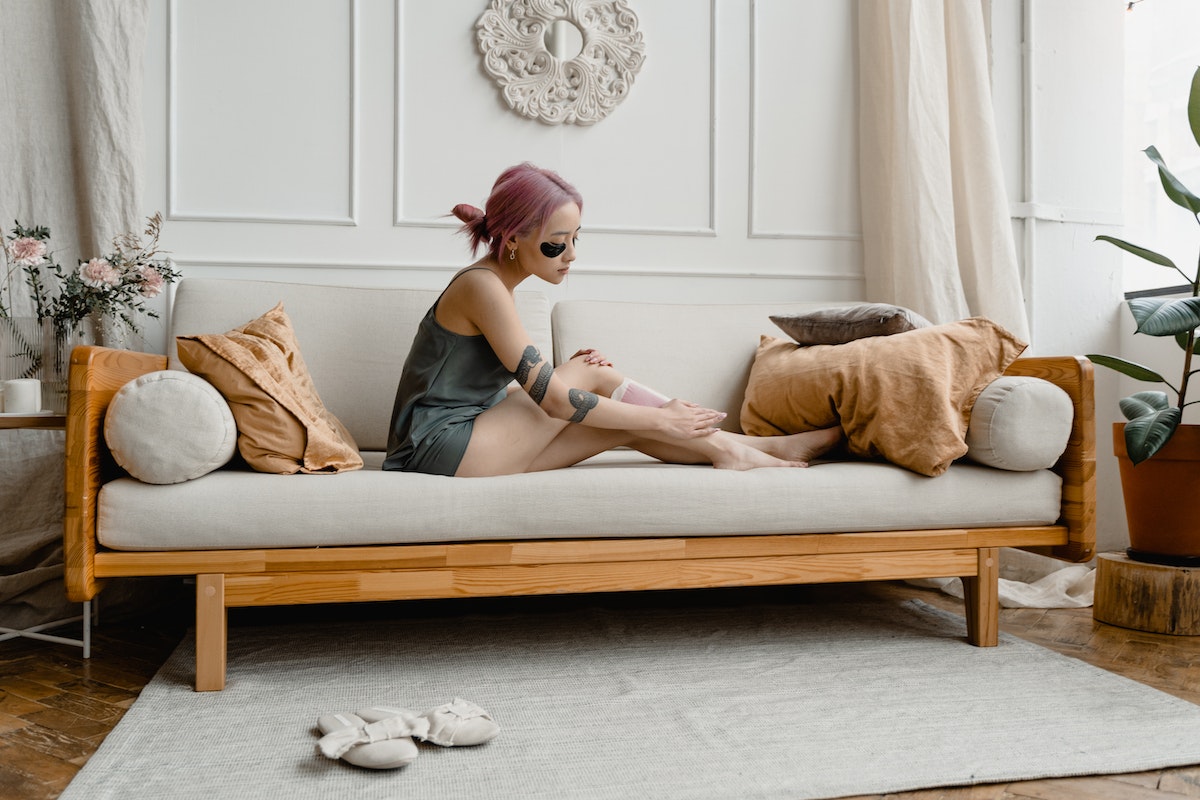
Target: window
point(1162, 51)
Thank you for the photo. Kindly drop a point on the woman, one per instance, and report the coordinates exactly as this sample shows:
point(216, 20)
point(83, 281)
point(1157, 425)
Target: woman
point(455, 412)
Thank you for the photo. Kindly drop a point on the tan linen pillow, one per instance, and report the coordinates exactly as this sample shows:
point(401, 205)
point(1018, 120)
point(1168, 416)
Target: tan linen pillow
point(906, 398)
point(283, 427)
point(841, 324)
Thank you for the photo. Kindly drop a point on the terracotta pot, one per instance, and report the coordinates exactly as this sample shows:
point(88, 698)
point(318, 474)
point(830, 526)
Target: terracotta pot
point(1160, 498)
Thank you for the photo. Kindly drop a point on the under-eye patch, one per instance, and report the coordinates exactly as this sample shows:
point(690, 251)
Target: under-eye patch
point(552, 250)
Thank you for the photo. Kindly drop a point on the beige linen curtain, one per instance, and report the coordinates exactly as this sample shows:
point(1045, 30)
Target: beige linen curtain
point(937, 234)
point(937, 237)
point(71, 150)
point(71, 142)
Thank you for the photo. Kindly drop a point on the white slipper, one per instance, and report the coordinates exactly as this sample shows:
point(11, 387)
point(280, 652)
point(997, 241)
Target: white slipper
point(418, 724)
point(459, 724)
point(386, 744)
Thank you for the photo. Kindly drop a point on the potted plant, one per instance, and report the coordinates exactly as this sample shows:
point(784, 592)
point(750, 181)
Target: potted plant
point(1159, 456)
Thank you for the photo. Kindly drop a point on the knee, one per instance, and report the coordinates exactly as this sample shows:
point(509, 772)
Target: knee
point(592, 377)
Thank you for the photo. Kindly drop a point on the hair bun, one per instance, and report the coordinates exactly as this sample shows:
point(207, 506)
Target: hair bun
point(467, 212)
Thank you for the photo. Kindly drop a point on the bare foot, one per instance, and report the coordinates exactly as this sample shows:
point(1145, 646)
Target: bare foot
point(800, 448)
point(743, 457)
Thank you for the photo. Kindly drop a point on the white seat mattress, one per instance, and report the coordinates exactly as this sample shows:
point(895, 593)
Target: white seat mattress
point(619, 494)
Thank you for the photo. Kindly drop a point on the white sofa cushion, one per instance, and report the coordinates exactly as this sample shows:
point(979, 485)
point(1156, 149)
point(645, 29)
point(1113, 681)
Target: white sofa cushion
point(697, 352)
point(618, 494)
point(1019, 423)
point(354, 340)
point(169, 426)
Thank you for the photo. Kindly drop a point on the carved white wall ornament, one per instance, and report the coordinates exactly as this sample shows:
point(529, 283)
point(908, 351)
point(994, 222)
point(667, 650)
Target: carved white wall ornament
point(515, 37)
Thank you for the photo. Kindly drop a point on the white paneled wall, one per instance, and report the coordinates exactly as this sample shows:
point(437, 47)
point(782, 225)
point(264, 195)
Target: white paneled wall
point(804, 135)
point(327, 140)
point(261, 121)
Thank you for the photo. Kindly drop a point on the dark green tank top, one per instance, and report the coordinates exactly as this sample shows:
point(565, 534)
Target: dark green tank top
point(447, 381)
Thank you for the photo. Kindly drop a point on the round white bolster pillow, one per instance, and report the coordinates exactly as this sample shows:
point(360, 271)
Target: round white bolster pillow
point(1019, 423)
point(169, 427)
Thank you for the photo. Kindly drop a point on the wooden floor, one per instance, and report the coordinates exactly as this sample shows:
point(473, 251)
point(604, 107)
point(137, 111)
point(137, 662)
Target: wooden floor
point(56, 707)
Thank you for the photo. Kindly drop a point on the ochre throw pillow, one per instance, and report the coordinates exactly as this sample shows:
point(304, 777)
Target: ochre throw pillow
point(283, 427)
point(906, 398)
point(841, 324)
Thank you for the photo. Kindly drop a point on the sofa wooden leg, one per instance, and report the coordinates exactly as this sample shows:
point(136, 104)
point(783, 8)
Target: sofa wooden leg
point(981, 597)
point(211, 633)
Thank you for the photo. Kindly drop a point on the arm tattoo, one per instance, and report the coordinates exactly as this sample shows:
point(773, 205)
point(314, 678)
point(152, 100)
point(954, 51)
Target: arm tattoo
point(583, 403)
point(541, 383)
point(529, 360)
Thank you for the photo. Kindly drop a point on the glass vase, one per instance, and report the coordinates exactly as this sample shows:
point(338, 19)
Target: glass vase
point(57, 345)
point(110, 331)
point(37, 348)
point(21, 346)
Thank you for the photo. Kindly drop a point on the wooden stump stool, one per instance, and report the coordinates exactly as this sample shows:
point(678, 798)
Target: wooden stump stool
point(1147, 597)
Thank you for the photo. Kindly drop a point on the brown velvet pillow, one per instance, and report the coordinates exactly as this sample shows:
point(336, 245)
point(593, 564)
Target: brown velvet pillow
point(283, 427)
point(906, 398)
point(841, 324)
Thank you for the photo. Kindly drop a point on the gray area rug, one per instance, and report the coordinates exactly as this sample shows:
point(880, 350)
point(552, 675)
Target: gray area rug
point(765, 700)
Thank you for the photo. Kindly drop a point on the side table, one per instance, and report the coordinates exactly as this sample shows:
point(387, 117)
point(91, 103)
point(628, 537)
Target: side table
point(48, 421)
point(1147, 597)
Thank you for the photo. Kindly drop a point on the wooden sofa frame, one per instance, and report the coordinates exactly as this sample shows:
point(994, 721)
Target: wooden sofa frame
point(285, 576)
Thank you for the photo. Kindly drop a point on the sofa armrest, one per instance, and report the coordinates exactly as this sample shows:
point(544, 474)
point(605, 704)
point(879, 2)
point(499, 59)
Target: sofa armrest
point(96, 375)
point(1077, 466)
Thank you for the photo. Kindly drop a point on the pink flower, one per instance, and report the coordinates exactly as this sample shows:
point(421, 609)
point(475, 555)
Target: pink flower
point(99, 274)
point(152, 281)
point(26, 251)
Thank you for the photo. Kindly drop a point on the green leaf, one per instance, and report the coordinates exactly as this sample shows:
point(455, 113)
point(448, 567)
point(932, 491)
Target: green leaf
point(1158, 316)
point(1143, 403)
point(1146, 435)
point(1181, 339)
point(1133, 370)
point(1141, 252)
point(1179, 194)
point(1194, 106)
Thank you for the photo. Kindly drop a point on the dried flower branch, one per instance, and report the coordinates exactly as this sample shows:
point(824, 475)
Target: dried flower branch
point(115, 286)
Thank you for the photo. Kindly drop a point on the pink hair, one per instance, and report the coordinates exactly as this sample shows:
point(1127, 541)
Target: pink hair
point(522, 201)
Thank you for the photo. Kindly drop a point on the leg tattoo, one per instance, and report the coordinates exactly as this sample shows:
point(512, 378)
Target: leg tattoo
point(583, 402)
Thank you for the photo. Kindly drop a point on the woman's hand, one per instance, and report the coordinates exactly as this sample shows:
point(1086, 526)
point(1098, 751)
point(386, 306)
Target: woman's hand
point(686, 420)
point(592, 356)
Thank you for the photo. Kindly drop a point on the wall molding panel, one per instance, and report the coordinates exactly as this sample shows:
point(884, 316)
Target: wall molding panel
point(815, 120)
point(203, 151)
point(193, 266)
point(496, 126)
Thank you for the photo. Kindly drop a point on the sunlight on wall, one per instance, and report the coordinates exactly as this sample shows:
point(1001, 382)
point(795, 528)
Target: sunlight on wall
point(1162, 52)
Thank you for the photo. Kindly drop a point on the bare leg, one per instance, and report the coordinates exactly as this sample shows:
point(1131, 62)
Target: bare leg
point(795, 447)
point(517, 436)
point(725, 450)
point(511, 436)
point(796, 450)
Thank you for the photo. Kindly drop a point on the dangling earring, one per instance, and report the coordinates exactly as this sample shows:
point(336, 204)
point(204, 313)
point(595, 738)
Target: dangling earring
point(512, 254)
